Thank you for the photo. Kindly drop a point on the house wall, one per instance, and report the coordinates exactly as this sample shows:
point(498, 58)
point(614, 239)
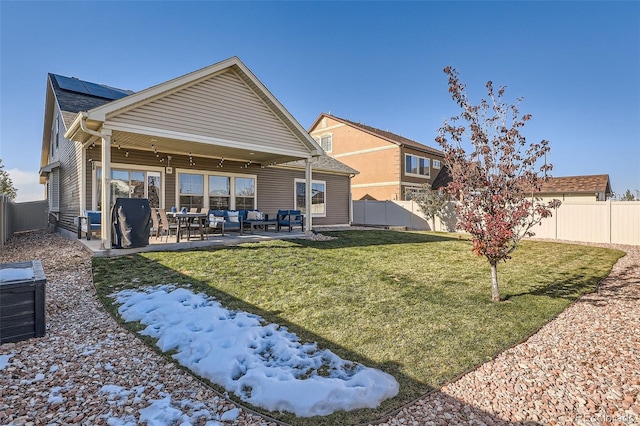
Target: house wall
point(380, 163)
point(221, 107)
point(410, 181)
point(68, 153)
point(275, 185)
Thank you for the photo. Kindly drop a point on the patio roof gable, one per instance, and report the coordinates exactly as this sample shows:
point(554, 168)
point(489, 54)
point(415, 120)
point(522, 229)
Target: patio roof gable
point(223, 105)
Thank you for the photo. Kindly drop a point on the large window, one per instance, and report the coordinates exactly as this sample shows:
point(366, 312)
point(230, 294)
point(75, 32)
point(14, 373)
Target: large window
point(318, 198)
point(245, 192)
point(131, 184)
point(216, 191)
point(219, 192)
point(416, 166)
point(191, 190)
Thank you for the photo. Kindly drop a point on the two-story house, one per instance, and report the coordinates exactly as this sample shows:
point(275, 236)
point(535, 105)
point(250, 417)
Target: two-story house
point(391, 166)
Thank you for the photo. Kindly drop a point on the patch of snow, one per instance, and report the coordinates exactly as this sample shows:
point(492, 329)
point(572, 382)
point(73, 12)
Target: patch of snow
point(230, 416)
point(263, 364)
point(15, 274)
point(4, 360)
point(161, 413)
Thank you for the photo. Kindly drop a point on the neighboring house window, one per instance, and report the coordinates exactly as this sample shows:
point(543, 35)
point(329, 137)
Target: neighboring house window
point(326, 142)
point(131, 184)
point(54, 190)
point(318, 197)
point(416, 166)
point(436, 164)
point(245, 193)
point(219, 192)
point(191, 190)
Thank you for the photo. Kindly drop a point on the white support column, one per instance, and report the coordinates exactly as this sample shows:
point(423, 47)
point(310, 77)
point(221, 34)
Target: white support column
point(308, 195)
point(105, 229)
point(83, 179)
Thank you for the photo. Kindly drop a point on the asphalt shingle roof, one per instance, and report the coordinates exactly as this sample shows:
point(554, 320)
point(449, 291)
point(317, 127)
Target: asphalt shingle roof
point(74, 102)
point(590, 184)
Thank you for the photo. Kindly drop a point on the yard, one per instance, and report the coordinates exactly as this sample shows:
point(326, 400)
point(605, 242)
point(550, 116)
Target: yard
point(415, 305)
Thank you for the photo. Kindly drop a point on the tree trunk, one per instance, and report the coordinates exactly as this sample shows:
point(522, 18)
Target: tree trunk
point(495, 293)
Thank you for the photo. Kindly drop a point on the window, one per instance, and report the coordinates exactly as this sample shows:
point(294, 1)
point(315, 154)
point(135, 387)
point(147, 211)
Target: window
point(416, 166)
point(54, 190)
point(219, 193)
point(318, 200)
point(436, 164)
point(245, 193)
point(57, 131)
point(326, 142)
point(191, 190)
point(131, 184)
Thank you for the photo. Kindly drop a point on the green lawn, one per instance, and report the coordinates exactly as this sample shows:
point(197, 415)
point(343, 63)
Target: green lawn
point(416, 305)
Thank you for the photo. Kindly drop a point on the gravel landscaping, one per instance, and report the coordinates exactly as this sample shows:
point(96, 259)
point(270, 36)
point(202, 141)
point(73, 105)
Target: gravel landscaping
point(582, 368)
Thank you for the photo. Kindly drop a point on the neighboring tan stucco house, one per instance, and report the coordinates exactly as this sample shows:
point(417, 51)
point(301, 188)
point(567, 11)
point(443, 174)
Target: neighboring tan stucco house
point(390, 166)
point(213, 138)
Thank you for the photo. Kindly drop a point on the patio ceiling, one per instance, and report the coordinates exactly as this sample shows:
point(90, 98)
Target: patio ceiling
point(170, 146)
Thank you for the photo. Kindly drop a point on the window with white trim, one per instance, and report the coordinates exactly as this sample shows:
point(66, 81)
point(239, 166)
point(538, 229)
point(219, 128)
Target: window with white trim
point(191, 190)
point(326, 142)
point(131, 183)
point(318, 197)
point(54, 190)
point(416, 166)
point(223, 191)
point(245, 189)
point(219, 192)
point(436, 164)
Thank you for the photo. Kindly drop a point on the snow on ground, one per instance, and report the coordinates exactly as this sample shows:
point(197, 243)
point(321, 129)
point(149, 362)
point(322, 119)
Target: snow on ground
point(4, 360)
point(263, 364)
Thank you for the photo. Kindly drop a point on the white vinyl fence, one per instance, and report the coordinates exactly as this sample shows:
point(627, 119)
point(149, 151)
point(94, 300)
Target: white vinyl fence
point(616, 222)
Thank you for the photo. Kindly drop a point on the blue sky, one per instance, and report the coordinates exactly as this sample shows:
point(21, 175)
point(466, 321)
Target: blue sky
point(577, 65)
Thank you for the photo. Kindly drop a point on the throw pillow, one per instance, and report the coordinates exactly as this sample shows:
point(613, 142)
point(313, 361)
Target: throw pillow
point(259, 216)
point(233, 217)
point(252, 215)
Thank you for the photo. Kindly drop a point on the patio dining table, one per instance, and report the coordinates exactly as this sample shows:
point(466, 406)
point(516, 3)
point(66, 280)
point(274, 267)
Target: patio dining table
point(186, 220)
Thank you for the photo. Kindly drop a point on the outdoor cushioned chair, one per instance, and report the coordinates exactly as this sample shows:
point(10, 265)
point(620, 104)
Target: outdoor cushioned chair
point(225, 220)
point(89, 222)
point(290, 218)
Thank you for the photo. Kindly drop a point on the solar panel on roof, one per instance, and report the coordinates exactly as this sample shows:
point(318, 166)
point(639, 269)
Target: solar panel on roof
point(88, 88)
point(98, 90)
point(72, 84)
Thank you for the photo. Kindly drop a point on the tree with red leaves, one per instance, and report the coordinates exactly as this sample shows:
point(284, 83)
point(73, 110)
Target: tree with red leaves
point(496, 182)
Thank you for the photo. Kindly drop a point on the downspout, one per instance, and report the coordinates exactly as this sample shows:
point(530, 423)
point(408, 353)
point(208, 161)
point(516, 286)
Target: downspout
point(105, 135)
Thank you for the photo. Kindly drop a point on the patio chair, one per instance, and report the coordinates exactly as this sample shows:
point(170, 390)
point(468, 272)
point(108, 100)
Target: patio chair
point(89, 222)
point(290, 218)
point(155, 225)
point(165, 226)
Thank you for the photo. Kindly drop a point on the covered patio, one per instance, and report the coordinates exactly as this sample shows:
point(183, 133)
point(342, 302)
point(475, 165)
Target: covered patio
point(216, 124)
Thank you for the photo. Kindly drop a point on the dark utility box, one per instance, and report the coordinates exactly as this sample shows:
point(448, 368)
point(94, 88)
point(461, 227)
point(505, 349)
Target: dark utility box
point(22, 301)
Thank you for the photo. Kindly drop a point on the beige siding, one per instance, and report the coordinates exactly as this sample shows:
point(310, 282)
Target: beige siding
point(221, 107)
point(68, 153)
point(275, 186)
